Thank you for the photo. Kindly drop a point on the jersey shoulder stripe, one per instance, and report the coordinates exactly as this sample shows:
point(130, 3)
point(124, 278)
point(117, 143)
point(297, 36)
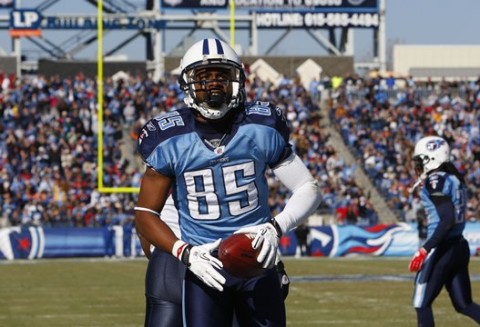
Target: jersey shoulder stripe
point(265, 113)
point(162, 128)
point(436, 182)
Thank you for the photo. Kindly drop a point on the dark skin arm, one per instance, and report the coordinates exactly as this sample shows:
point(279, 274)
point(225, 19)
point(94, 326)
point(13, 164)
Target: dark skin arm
point(145, 246)
point(154, 191)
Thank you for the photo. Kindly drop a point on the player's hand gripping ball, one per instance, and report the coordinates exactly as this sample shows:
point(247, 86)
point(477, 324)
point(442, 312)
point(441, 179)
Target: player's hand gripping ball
point(238, 256)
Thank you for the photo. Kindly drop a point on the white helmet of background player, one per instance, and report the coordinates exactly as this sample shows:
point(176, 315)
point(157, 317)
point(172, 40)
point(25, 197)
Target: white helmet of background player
point(430, 152)
point(205, 54)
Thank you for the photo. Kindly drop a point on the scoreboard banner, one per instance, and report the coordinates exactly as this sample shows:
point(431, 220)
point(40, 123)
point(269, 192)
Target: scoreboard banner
point(270, 14)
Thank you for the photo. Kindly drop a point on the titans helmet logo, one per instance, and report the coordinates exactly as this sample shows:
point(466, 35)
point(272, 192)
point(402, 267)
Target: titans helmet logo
point(434, 145)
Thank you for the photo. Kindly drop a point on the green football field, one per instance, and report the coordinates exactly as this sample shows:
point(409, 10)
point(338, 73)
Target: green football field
point(366, 292)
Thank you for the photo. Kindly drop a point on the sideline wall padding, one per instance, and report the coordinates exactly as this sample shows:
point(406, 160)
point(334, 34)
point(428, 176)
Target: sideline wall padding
point(398, 240)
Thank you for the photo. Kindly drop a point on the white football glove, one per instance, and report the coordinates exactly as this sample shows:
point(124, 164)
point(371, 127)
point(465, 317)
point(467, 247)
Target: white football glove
point(201, 262)
point(267, 237)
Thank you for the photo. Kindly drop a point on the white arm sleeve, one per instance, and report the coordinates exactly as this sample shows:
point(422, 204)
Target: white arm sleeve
point(169, 215)
point(305, 192)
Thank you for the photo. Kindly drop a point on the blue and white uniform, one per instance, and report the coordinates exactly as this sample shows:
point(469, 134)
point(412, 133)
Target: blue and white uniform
point(217, 190)
point(440, 184)
point(214, 155)
point(444, 198)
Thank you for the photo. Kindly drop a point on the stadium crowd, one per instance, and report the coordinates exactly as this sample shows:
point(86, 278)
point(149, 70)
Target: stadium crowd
point(48, 148)
point(48, 143)
point(381, 120)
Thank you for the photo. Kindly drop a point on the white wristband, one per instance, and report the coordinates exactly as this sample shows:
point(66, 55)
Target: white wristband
point(146, 210)
point(178, 249)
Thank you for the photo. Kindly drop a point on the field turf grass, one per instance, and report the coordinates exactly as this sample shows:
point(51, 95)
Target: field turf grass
point(339, 292)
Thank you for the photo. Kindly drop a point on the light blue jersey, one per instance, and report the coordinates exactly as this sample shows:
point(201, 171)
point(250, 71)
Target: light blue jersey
point(443, 184)
point(217, 190)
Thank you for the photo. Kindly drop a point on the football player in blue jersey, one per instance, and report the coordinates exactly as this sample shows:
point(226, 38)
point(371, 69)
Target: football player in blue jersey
point(444, 257)
point(214, 154)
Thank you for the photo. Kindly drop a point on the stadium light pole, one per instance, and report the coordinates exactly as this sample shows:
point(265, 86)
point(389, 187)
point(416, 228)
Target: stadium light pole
point(382, 42)
point(159, 62)
point(17, 45)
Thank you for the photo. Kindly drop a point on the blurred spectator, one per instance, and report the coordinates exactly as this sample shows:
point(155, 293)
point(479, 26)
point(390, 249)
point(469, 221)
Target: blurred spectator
point(352, 213)
point(109, 237)
point(302, 233)
point(128, 230)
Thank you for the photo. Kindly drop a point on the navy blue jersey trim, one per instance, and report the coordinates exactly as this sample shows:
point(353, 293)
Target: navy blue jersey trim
point(435, 182)
point(276, 119)
point(155, 136)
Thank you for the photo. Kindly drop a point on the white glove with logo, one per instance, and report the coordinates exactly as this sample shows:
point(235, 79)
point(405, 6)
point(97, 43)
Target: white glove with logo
point(201, 262)
point(267, 236)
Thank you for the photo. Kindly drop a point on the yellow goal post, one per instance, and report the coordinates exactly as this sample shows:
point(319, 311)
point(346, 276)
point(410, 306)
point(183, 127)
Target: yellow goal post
point(101, 188)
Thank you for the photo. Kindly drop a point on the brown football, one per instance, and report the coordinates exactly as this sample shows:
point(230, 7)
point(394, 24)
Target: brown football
point(238, 256)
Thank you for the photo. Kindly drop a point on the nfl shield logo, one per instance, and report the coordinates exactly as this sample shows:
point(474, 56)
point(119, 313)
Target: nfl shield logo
point(220, 150)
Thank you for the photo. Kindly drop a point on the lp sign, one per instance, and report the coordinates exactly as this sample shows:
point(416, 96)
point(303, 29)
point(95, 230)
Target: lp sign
point(25, 23)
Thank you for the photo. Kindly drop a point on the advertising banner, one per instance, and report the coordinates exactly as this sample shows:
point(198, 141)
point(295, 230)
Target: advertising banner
point(315, 20)
point(24, 20)
point(392, 240)
point(39, 242)
point(395, 240)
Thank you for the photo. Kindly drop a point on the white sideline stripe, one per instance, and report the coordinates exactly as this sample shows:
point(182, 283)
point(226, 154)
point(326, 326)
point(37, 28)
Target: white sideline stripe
point(360, 278)
point(351, 278)
point(84, 315)
point(295, 279)
point(50, 260)
point(334, 322)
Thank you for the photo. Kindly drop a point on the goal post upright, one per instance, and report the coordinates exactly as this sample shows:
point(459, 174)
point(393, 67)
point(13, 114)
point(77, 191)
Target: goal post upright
point(101, 188)
point(100, 95)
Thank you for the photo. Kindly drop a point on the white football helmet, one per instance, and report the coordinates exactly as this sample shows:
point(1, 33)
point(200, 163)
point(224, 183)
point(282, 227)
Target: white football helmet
point(430, 152)
point(205, 54)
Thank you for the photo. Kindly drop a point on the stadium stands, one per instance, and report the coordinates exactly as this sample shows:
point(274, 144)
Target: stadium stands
point(381, 122)
point(48, 144)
